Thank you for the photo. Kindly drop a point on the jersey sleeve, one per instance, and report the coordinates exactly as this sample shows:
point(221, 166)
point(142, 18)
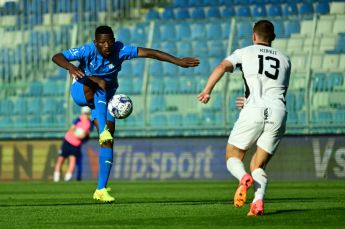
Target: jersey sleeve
point(75, 53)
point(128, 52)
point(235, 58)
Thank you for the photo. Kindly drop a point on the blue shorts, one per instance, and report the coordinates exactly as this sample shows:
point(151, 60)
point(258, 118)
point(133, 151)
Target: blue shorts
point(70, 150)
point(77, 93)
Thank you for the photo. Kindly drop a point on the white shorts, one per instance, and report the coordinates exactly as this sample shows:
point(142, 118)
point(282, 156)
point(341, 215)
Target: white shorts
point(264, 125)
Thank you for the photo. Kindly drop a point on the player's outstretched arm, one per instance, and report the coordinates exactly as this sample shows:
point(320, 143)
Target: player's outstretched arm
point(218, 72)
point(163, 56)
point(60, 60)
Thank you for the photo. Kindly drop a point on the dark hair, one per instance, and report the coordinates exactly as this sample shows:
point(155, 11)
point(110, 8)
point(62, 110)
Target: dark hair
point(265, 30)
point(104, 29)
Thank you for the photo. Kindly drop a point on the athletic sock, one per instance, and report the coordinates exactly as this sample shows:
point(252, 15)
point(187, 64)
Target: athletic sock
point(101, 108)
point(105, 163)
point(260, 181)
point(68, 176)
point(235, 167)
point(56, 177)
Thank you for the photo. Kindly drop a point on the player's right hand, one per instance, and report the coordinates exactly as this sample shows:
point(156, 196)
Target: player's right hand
point(75, 72)
point(189, 62)
point(204, 97)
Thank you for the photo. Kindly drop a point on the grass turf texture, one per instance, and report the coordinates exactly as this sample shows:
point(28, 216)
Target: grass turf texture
point(187, 204)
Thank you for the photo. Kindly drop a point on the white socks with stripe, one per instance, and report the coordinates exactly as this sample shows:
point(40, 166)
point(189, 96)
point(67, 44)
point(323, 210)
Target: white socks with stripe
point(260, 182)
point(235, 167)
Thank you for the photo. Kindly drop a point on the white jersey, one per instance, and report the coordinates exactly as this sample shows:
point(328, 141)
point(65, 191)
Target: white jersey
point(266, 73)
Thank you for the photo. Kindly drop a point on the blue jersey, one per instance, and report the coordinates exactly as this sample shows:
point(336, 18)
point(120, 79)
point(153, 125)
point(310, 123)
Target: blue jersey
point(92, 63)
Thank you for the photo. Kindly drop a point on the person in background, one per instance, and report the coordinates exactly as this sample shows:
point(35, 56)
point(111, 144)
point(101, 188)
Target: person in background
point(74, 138)
point(266, 74)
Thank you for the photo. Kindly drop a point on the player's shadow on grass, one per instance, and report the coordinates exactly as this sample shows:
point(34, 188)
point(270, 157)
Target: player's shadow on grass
point(303, 210)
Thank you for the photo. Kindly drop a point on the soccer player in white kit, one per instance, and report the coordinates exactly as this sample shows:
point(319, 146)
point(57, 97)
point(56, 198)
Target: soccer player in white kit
point(266, 73)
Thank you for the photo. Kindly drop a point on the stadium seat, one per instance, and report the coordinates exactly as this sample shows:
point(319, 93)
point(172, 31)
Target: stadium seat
point(216, 48)
point(157, 103)
point(226, 27)
point(279, 28)
point(195, 2)
point(158, 120)
point(156, 69)
point(306, 9)
point(290, 9)
point(200, 48)
point(198, 13)
point(330, 62)
point(168, 32)
point(6, 122)
point(169, 47)
point(20, 106)
point(214, 30)
point(184, 48)
point(258, 11)
point(152, 15)
point(274, 10)
point(139, 34)
point(191, 119)
point(243, 11)
point(228, 12)
point(324, 26)
point(213, 12)
point(183, 31)
point(340, 47)
point(322, 7)
point(6, 106)
point(123, 34)
point(138, 68)
point(182, 13)
point(35, 89)
point(180, 3)
point(33, 106)
point(175, 120)
point(170, 85)
point(167, 14)
point(203, 70)
point(187, 84)
point(244, 29)
point(292, 26)
point(170, 69)
point(338, 26)
point(337, 8)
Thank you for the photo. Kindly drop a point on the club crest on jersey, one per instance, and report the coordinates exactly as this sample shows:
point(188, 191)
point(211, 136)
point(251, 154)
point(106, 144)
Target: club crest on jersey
point(74, 51)
point(267, 113)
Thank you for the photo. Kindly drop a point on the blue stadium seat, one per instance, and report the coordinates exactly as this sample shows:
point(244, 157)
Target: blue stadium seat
point(6, 106)
point(318, 82)
point(156, 68)
point(183, 31)
point(169, 47)
point(195, 2)
point(123, 34)
point(198, 13)
point(152, 15)
point(156, 85)
point(214, 31)
point(198, 31)
point(228, 12)
point(339, 116)
point(139, 34)
point(292, 26)
point(322, 7)
point(138, 67)
point(258, 11)
point(216, 48)
point(168, 32)
point(182, 13)
point(158, 120)
point(170, 85)
point(33, 106)
point(191, 119)
point(157, 103)
point(290, 9)
point(49, 105)
point(279, 28)
point(6, 121)
point(243, 11)
point(340, 47)
point(274, 10)
point(180, 3)
point(137, 85)
point(213, 12)
point(203, 69)
point(244, 29)
point(20, 106)
point(175, 120)
point(306, 8)
point(169, 69)
point(200, 48)
point(187, 84)
point(167, 14)
point(184, 48)
point(35, 89)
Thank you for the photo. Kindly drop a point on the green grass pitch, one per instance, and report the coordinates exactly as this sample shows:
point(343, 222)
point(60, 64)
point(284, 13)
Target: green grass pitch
point(186, 204)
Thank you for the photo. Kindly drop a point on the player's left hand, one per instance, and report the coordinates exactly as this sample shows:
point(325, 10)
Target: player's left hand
point(204, 97)
point(189, 62)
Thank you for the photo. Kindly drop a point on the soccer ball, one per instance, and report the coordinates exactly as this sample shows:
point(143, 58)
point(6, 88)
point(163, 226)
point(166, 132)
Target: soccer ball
point(120, 106)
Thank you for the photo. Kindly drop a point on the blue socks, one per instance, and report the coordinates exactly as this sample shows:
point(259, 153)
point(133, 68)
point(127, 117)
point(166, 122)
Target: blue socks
point(105, 160)
point(100, 100)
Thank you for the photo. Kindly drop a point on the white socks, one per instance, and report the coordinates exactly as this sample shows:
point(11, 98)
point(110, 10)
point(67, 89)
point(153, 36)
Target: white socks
point(235, 167)
point(68, 176)
point(260, 182)
point(56, 177)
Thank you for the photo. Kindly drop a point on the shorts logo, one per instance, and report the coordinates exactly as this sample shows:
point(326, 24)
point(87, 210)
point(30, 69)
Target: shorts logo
point(267, 113)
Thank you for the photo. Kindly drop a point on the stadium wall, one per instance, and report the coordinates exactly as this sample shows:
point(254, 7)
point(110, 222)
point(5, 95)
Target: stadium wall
point(298, 157)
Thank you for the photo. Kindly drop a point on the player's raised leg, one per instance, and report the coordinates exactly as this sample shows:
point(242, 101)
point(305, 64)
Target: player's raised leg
point(257, 165)
point(235, 166)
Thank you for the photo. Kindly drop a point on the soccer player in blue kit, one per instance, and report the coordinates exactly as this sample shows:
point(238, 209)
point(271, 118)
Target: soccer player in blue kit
point(95, 82)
